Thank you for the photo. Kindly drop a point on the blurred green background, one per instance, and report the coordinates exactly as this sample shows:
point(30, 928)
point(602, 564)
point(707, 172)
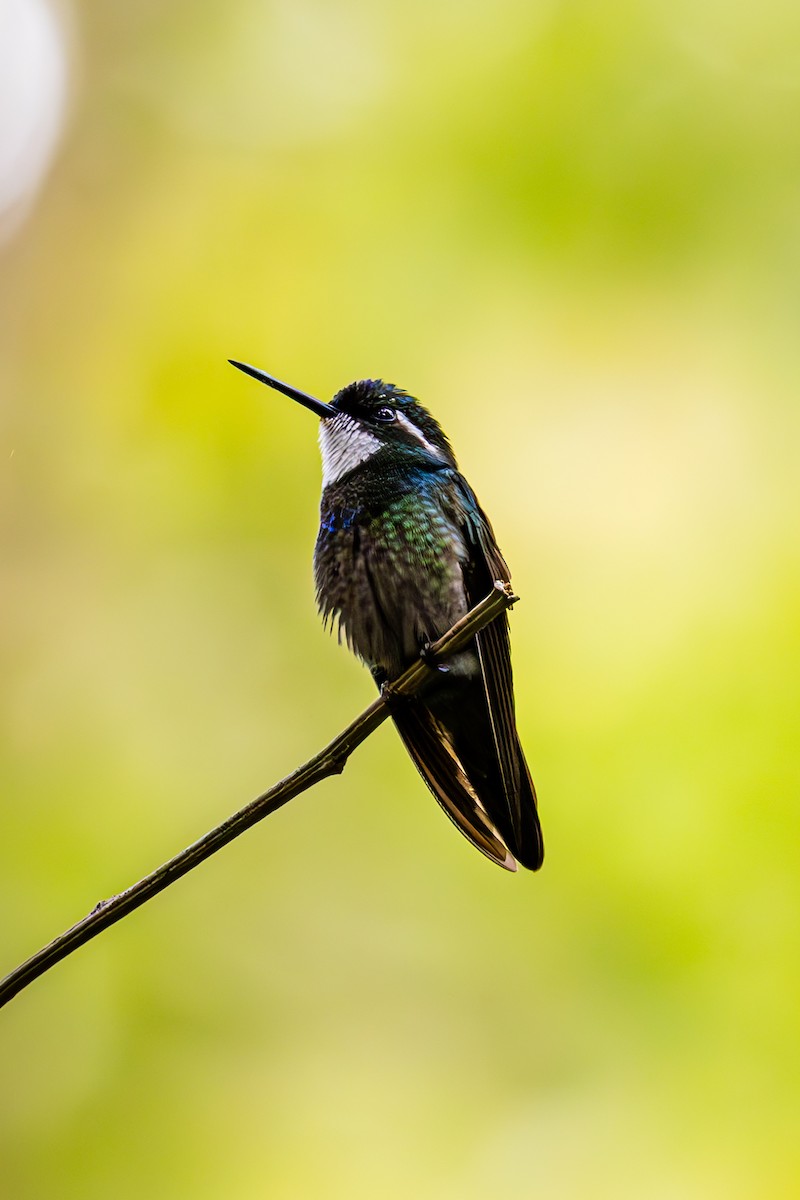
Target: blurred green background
point(572, 229)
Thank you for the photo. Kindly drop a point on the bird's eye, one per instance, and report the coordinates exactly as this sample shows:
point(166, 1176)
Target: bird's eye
point(384, 414)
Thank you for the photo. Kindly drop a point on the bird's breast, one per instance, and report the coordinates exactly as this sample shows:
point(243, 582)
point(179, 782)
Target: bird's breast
point(389, 577)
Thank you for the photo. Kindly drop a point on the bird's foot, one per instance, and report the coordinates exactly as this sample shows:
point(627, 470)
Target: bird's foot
point(429, 658)
point(388, 695)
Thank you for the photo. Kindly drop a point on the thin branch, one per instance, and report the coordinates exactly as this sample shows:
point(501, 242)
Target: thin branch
point(330, 761)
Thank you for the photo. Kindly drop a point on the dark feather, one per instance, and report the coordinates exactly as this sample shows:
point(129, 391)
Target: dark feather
point(514, 810)
point(429, 746)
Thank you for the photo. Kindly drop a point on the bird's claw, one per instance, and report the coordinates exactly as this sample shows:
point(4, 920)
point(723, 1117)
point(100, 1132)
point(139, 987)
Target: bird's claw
point(429, 658)
point(388, 695)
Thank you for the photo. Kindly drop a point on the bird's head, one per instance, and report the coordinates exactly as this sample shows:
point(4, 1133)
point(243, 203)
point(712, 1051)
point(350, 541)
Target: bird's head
point(366, 418)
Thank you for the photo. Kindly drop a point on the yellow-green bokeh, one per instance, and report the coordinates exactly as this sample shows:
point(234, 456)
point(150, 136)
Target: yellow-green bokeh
point(573, 229)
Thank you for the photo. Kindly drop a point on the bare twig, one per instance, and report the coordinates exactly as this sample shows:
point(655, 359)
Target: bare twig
point(330, 761)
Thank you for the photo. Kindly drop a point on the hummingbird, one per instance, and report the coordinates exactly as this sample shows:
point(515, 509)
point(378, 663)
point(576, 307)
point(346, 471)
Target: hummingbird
point(403, 551)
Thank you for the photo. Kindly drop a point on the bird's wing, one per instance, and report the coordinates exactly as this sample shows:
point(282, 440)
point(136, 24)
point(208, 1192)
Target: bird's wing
point(431, 751)
point(494, 650)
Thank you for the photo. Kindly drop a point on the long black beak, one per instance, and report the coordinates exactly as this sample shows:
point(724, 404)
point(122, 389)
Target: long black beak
point(317, 406)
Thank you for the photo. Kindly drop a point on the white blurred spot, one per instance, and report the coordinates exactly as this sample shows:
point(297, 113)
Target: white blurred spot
point(33, 89)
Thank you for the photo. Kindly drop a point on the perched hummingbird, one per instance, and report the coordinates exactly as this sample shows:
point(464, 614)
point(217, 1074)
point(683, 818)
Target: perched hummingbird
point(404, 550)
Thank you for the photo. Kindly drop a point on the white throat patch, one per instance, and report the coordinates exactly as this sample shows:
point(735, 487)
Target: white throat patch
point(344, 444)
